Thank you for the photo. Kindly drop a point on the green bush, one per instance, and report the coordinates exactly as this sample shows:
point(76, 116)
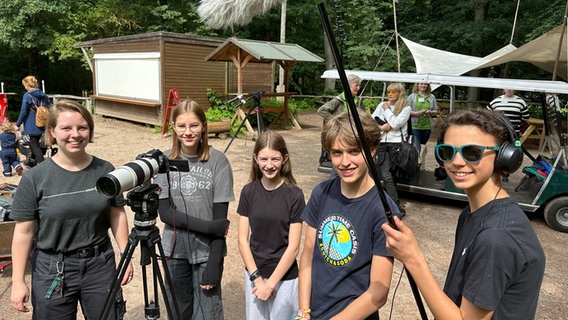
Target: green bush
point(215, 114)
point(535, 111)
point(219, 108)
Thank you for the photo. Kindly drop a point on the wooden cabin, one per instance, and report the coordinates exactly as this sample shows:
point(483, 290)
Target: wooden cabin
point(132, 75)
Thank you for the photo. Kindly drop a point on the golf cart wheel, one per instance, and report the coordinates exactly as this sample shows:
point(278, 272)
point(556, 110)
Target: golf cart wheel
point(556, 214)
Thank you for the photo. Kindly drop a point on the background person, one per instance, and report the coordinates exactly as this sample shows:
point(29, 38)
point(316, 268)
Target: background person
point(195, 259)
point(498, 263)
point(33, 97)
point(270, 228)
point(58, 209)
point(394, 114)
point(338, 105)
point(8, 145)
point(513, 108)
point(423, 107)
point(345, 269)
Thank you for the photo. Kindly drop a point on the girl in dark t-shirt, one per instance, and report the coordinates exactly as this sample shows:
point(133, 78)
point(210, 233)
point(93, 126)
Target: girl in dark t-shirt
point(269, 231)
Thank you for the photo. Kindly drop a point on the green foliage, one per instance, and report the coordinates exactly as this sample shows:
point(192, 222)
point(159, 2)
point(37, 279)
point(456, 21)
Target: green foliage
point(302, 104)
point(371, 103)
point(535, 111)
point(220, 108)
point(215, 114)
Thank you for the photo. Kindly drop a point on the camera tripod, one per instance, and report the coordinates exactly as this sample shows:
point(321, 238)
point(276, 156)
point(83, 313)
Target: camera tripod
point(144, 202)
point(259, 121)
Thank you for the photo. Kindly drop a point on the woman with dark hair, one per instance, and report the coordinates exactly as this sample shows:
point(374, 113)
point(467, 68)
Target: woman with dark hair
point(497, 265)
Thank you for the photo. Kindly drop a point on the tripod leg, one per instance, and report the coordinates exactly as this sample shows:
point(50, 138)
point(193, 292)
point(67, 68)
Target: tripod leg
point(168, 279)
point(238, 129)
point(259, 121)
point(118, 275)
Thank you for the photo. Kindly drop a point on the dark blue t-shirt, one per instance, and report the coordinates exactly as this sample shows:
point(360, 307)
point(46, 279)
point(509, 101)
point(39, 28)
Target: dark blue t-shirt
point(348, 234)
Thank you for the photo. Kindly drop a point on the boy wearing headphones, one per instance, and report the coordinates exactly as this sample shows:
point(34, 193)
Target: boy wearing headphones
point(498, 263)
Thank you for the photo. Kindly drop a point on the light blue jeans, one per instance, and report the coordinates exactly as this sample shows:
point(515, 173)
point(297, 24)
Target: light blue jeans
point(282, 306)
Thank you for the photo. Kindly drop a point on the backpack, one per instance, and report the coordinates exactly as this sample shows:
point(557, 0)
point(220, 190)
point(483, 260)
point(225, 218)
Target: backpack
point(41, 111)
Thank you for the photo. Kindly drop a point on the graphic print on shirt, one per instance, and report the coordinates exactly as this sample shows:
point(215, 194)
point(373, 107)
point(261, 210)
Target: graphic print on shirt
point(337, 240)
point(199, 179)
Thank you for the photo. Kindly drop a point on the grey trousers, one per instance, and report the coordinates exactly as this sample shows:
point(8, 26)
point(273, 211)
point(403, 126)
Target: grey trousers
point(194, 302)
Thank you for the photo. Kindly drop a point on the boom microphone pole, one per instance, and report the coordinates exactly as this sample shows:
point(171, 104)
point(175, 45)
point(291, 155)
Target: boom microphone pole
point(366, 151)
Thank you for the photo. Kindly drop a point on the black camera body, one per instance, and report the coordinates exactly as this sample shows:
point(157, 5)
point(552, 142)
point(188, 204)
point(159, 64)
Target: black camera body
point(380, 121)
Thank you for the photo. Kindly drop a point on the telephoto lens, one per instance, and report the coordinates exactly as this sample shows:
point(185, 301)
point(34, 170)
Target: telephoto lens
point(127, 176)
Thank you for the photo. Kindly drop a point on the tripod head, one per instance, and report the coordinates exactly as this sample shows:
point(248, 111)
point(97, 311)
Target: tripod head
point(144, 201)
point(256, 97)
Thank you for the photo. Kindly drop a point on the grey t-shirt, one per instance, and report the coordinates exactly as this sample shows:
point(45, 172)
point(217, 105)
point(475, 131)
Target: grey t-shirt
point(194, 193)
point(69, 211)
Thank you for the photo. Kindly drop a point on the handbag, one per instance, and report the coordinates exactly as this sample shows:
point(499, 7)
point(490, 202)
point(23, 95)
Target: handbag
point(404, 159)
point(41, 112)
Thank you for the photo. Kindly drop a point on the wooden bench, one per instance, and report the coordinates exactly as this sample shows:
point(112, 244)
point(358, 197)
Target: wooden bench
point(534, 131)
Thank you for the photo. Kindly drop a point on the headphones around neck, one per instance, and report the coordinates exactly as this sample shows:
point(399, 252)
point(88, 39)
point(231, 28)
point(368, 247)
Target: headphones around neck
point(510, 155)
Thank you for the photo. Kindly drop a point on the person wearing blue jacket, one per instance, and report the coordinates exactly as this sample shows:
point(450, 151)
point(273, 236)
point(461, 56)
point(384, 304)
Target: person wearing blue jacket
point(32, 98)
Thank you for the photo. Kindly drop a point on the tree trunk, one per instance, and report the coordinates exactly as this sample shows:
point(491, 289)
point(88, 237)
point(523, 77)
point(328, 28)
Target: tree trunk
point(329, 84)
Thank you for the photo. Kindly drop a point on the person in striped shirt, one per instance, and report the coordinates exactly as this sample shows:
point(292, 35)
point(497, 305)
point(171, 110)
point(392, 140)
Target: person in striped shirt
point(513, 107)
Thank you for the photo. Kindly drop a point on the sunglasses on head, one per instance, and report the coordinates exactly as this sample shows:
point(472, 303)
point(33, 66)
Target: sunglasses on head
point(471, 153)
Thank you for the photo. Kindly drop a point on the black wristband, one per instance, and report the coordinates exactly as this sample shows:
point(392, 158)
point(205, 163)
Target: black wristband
point(255, 275)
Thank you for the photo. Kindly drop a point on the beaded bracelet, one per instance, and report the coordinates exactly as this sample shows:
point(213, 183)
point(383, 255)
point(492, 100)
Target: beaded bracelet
point(303, 314)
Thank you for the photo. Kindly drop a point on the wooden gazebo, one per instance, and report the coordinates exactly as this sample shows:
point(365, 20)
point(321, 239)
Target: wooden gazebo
point(242, 51)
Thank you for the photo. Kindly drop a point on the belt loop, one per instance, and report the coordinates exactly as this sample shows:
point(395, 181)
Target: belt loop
point(96, 250)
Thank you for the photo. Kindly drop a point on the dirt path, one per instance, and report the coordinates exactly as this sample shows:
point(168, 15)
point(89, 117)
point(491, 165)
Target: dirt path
point(433, 223)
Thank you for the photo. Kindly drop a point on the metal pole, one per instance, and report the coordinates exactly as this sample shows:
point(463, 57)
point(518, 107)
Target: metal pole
point(396, 35)
point(560, 42)
point(281, 84)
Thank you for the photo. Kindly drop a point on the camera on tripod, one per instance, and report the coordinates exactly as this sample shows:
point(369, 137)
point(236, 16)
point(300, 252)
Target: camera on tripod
point(133, 174)
point(144, 201)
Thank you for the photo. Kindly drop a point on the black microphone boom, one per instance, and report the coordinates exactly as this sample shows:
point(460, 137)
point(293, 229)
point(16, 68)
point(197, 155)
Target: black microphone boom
point(366, 152)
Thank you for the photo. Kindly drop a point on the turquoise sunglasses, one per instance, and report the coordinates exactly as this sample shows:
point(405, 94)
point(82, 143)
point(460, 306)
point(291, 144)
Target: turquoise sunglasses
point(471, 153)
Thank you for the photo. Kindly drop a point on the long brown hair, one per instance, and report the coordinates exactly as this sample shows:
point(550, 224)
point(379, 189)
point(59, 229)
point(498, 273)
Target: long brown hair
point(190, 106)
point(272, 140)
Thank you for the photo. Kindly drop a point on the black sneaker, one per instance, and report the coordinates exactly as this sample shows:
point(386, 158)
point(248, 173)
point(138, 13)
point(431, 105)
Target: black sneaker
point(7, 174)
